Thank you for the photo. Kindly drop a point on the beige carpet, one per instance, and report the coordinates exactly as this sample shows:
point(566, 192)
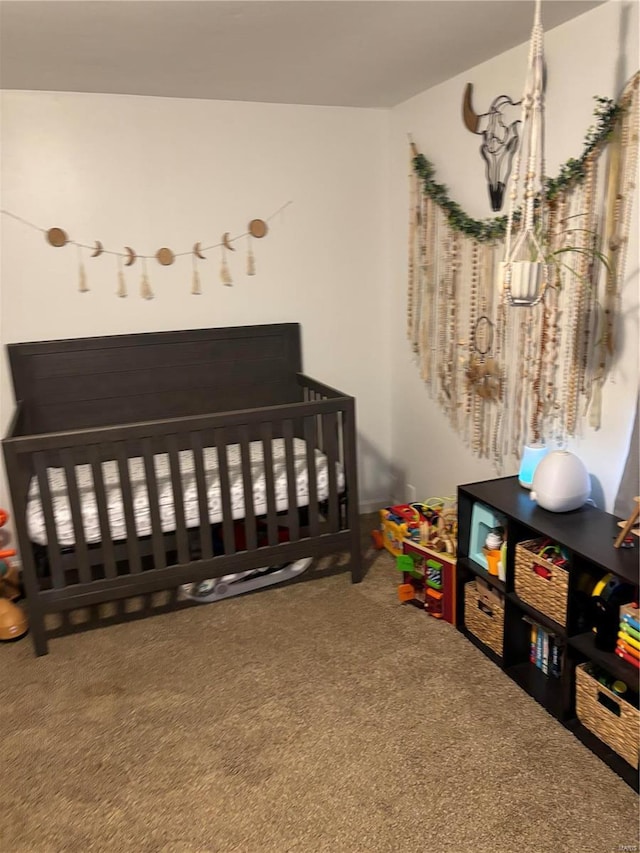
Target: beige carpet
point(315, 717)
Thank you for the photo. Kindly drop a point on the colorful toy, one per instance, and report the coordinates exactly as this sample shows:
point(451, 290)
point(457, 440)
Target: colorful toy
point(429, 580)
point(13, 621)
point(429, 523)
point(483, 522)
point(631, 613)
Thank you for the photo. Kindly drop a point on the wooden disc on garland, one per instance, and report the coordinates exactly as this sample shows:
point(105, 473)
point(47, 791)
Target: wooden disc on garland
point(258, 228)
point(165, 257)
point(57, 237)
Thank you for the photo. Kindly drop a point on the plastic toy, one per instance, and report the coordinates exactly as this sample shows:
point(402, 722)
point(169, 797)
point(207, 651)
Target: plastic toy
point(13, 620)
point(492, 550)
point(429, 523)
point(428, 580)
point(630, 613)
point(483, 522)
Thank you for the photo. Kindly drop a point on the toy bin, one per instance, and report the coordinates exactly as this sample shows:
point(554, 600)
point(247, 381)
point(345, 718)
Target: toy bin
point(613, 720)
point(484, 617)
point(540, 582)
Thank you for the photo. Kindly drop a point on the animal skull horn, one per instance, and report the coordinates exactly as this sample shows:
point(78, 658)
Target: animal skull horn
point(471, 118)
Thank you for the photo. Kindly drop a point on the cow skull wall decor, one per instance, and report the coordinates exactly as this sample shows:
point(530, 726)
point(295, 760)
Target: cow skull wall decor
point(499, 140)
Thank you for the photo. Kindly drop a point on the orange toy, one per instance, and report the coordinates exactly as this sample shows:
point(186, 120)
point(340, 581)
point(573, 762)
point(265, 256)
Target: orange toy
point(13, 620)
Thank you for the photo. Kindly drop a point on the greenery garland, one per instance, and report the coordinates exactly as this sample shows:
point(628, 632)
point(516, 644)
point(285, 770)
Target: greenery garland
point(607, 113)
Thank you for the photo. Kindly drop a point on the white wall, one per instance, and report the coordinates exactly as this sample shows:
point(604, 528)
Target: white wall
point(592, 55)
point(149, 172)
point(152, 172)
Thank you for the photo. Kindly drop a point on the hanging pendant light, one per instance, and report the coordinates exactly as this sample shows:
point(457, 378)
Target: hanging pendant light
point(524, 272)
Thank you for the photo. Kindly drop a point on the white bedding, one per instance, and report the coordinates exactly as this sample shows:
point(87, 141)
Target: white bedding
point(117, 524)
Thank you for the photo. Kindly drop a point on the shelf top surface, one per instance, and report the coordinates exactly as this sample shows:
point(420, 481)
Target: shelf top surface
point(588, 532)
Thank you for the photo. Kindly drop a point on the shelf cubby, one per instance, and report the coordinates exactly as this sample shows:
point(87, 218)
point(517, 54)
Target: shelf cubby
point(479, 571)
point(615, 666)
point(547, 623)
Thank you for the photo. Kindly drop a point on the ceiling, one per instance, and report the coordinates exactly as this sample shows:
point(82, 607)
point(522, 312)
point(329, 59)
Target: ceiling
point(332, 52)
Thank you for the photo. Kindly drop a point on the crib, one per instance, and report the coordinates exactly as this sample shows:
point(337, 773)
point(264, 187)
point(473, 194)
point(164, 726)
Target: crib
point(140, 463)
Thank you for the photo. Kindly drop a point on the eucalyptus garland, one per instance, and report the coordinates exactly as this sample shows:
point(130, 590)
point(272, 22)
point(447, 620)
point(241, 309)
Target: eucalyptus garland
point(607, 114)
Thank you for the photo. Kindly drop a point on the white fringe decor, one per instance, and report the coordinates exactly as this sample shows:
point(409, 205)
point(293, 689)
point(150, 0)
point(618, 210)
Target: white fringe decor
point(507, 375)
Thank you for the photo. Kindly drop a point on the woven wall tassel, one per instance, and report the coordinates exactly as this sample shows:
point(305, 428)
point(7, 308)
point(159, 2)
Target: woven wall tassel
point(196, 288)
point(82, 274)
point(251, 261)
point(145, 286)
point(122, 284)
point(225, 275)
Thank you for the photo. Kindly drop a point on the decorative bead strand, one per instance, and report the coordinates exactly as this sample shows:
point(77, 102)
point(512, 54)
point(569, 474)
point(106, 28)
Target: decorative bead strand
point(432, 292)
point(413, 225)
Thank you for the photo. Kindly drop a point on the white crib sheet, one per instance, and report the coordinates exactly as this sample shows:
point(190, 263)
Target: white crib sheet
point(115, 507)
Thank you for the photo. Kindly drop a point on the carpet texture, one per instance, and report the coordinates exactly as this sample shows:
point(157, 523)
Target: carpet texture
point(314, 717)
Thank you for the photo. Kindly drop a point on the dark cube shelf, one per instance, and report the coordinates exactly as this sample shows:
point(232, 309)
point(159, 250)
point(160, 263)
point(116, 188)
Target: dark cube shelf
point(587, 534)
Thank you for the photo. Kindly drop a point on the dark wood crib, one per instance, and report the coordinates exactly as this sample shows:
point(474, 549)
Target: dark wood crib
point(91, 406)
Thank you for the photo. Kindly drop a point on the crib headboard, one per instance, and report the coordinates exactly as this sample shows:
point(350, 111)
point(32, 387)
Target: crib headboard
point(90, 382)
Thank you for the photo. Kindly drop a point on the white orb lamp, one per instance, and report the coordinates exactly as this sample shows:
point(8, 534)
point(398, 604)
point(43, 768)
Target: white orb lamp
point(561, 482)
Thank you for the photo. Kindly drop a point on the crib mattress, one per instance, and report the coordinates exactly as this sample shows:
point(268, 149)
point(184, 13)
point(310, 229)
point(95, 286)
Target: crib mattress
point(115, 507)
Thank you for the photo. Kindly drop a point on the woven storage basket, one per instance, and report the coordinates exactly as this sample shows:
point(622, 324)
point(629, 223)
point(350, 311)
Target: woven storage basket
point(609, 717)
point(483, 618)
point(539, 583)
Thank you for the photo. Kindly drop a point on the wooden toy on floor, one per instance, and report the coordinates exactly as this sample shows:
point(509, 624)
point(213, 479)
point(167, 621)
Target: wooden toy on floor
point(432, 523)
point(429, 580)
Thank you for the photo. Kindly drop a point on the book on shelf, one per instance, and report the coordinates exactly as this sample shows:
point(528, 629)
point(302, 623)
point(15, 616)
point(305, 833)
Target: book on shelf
point(534, 641)
point(545, 651)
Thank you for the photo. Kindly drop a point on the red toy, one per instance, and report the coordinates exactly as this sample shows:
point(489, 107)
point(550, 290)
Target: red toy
point(429, 581)
point(13, 621)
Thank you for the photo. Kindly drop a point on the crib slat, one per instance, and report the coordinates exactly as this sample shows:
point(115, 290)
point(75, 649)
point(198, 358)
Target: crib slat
point(82, 561)
point(203, 505)
point(225, 492)
point(133, 550)
point(247, 485)
point(330, 430)
point(319, 430)
point(178, 499)
point(105, 531)
point(292, 490)
point(266, 433)
point(312, 477)
point(53, 548)
point(159, 555)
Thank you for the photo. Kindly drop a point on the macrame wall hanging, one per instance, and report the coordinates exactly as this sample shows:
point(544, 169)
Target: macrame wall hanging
point(256, 229)
point(506, 374)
